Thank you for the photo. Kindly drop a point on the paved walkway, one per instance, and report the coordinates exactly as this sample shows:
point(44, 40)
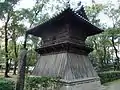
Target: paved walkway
point(115, 85)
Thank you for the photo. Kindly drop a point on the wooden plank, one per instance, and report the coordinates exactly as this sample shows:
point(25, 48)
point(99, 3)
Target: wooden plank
point(68, 66)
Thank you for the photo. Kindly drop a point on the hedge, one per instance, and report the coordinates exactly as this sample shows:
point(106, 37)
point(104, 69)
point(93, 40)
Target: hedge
point(47, 82)
point(6, 84)
point(109, 76)
point(36, 82)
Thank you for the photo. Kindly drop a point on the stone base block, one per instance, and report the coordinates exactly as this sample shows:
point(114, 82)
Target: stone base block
point(85, 84)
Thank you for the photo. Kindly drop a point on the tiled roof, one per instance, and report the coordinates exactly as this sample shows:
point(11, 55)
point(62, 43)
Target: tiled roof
point(80, 17)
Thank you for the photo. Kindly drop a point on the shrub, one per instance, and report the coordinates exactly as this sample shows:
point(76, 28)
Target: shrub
point(35, 82)
point(6, 84)
point(48, 82)
point(109, 76)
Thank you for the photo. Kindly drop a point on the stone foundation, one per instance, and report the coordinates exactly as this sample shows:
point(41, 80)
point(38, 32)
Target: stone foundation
point(85, 84)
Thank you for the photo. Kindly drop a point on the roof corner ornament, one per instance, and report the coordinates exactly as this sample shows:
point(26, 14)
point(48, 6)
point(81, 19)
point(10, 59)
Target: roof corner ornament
point(81, 11)
point(68, 4)
point(79, 5)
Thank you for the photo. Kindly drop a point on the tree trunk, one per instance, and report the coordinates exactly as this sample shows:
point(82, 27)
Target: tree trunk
point(15, 68)
point(104, 47)
point(116, 53)
point(6, 47)
point(21, 67)
point(108, 52)
point(10, 64)
point(15, 52)
point(21, 70)
point(95, 43)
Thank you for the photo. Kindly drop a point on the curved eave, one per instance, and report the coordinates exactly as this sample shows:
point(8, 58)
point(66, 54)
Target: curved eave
point(36, 31)
point(94, 29)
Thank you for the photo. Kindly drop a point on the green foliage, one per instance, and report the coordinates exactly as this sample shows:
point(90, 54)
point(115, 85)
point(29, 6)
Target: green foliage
point(105, 45)
point(35, 15)
point(6, 7)
point(6, 84)
point(109, 76)
point(42, 82)
point(93, 12)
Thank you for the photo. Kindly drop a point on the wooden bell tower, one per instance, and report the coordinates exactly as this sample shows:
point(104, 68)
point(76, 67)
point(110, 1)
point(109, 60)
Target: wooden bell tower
point(64, 52)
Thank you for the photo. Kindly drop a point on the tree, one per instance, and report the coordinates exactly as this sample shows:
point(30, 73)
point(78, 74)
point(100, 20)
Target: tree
point(93, 13)
point(114, 31)
point(16, 29)
point(95, 41)
point(6, 8)
point(23, 53)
